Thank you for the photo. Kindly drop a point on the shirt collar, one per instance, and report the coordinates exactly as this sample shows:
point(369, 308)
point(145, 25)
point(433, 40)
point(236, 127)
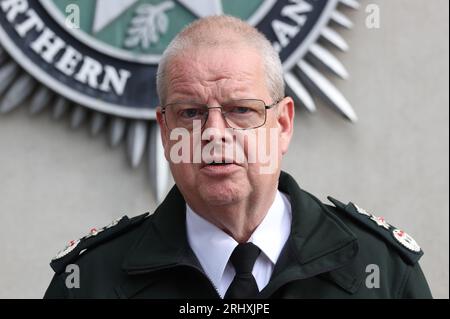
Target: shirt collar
point(213, 247)
point(273, 232)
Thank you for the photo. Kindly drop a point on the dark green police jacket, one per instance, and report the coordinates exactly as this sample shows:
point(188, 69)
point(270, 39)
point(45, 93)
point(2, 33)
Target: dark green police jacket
point(332, 252)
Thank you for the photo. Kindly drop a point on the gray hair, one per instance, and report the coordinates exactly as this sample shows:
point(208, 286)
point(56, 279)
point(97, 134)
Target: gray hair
point(221, 30)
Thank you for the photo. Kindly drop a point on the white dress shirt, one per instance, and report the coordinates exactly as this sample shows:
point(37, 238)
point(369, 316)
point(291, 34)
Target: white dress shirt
point(213, 247)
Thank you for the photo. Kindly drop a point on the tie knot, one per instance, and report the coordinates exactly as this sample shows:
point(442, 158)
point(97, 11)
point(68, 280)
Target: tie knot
point(244, 257)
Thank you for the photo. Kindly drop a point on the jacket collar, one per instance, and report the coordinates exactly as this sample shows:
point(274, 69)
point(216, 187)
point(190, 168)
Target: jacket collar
point(164, 242)
point(319, 242)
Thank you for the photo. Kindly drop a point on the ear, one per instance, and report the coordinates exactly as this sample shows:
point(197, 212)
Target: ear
point(286, 112)
point(163, 128)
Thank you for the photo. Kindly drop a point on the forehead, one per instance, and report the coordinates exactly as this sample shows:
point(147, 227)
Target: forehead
point(208, 67)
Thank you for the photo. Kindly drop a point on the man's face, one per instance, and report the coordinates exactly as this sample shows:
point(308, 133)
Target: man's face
point(214, 76)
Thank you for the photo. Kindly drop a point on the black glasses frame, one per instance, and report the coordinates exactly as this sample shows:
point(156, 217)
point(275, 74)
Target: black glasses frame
point(266, 107)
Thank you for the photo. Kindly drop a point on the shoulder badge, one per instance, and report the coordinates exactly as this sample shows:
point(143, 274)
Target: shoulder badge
point(75, 248)
point(398, 238)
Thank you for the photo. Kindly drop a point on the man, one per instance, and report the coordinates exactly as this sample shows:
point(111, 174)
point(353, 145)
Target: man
point(235, 226)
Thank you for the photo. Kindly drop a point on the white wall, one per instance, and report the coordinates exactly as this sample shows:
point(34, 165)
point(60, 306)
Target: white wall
point(56, 183)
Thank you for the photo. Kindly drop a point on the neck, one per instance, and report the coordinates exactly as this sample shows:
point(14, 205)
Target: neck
point(238, 219)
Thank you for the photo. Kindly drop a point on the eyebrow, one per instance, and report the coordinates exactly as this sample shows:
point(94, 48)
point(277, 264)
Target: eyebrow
point(223, 102)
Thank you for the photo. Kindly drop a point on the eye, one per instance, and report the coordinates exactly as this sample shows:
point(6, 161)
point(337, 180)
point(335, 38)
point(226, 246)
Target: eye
point(191, 113)
point(241, 110)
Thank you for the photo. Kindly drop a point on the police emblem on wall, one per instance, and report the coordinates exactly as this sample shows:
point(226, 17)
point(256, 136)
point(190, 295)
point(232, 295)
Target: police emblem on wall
point(98, 59)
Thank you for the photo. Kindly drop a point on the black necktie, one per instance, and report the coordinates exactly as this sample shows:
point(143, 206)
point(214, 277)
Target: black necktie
point(244, 284)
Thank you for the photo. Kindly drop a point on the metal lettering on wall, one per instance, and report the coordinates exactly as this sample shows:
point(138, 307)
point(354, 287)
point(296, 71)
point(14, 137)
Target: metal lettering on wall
point(98, 59)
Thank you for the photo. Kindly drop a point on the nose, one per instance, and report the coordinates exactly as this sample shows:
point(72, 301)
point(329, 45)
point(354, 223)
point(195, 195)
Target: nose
point(215, 119)
point(217, 127)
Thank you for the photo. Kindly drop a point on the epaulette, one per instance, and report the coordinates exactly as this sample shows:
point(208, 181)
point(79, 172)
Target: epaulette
point(94, 238)
point(399, 239)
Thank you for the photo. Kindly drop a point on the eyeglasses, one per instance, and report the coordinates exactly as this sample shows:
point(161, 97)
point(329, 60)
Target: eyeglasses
point(242, 114)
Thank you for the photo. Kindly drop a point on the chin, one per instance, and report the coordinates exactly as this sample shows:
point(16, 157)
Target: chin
point(222, 193)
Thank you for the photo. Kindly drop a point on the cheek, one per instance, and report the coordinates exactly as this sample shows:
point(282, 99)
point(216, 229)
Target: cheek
point(274, 136)
point(180, 147)
point(268, 142)
point(178, 152)
point(184, 175)
point(259, 143)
